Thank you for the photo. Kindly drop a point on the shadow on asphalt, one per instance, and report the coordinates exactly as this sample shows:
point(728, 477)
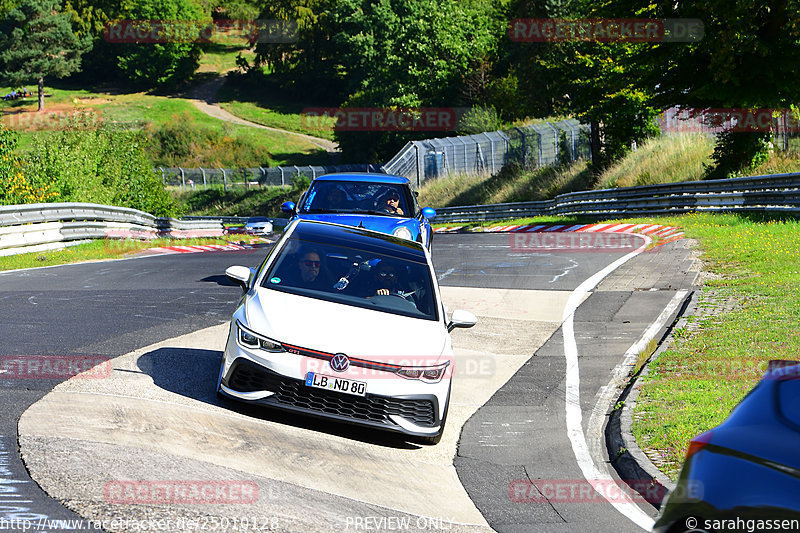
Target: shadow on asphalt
point(220, 280)
point(193, 373)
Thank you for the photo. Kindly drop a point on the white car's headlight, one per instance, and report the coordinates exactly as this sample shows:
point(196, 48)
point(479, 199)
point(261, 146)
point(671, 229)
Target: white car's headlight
point(249, 339)
point(430, 374)
point(403, 233)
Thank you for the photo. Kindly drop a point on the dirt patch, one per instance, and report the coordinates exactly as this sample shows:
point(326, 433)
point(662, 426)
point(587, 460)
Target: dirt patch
point(54, 117)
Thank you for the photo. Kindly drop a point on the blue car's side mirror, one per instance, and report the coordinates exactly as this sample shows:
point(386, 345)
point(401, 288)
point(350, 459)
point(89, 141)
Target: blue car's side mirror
point(428, 212)
point(288, 207)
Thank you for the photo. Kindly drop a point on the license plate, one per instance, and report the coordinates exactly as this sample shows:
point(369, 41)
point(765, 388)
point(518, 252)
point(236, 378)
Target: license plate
point(348, 386)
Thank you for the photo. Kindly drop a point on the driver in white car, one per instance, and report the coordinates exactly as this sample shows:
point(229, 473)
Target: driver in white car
point(385, 278)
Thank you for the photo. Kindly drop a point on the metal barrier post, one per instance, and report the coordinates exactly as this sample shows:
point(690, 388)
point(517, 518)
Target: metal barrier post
point(163, 176)
point(524, 148)
point(183, 179)
point(556, 139)
point(203, 172)
point(491, 149)
point(224, 180)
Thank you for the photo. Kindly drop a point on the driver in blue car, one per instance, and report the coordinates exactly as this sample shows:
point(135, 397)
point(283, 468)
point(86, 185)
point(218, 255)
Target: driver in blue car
point(390, 203)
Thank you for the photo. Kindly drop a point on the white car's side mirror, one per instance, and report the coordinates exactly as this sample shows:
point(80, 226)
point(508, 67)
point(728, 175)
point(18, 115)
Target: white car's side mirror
point(461, 319)
point(239, 275)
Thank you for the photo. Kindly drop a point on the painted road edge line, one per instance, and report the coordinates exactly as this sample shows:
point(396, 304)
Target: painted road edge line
point(597, 478)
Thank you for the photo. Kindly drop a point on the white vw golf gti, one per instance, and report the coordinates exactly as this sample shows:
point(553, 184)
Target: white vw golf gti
point(344, 323)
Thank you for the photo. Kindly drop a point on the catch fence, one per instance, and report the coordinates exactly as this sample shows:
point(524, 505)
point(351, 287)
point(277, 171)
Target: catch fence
point(532, 146)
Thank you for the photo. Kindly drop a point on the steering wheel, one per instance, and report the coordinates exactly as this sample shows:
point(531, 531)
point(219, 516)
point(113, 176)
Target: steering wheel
point(385, 299)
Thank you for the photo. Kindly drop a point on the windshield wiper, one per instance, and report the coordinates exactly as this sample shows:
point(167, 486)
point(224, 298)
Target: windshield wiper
point(371, 212)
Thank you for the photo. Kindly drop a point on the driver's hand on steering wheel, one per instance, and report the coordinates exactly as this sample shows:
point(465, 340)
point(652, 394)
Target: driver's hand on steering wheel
point(382, 292)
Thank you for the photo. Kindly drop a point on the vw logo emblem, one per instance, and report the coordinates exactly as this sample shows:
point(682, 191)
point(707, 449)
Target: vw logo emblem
point(340, 362)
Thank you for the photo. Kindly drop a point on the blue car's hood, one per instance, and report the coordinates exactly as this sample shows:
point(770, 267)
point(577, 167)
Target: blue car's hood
point(383, 224)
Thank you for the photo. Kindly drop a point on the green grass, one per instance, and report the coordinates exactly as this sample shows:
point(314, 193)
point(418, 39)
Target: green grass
point(667, 159)
point(664, 159)
point(237, 146)
point(237, 202)
point(221, 57)
point(99, 250)
point(266, 104)
point(693, 385)
point(511, 184)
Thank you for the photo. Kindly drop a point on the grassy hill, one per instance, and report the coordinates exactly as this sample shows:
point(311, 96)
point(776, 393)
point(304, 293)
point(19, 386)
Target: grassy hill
point(666, 159)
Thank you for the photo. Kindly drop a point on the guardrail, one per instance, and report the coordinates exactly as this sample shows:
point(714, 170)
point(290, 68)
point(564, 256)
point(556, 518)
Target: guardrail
point(775, 193)
point(39, 227)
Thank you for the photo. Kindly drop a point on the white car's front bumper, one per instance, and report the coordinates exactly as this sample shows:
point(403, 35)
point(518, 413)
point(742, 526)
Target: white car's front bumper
point(391, 402)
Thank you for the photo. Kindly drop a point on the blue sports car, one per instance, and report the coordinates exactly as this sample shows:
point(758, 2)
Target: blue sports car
point(377, 202)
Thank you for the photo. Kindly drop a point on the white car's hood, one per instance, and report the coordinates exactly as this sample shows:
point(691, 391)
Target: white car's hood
point(337, 328)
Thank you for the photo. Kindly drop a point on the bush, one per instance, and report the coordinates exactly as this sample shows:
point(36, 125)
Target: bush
point(736, 153)
point(182, 141)
point(112, 168)
point(15, 186)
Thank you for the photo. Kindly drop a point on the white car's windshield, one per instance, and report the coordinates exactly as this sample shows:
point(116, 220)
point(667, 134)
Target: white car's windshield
point(368, 278)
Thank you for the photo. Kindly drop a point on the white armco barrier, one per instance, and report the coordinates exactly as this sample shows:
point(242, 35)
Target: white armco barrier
point(38, 227)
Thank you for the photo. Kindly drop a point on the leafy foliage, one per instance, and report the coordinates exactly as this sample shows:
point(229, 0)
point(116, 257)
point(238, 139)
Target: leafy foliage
point(112, 169)
point(15, 187)
point(143, 65)
point(185, 142)
point(167, 63)
point(37, 42)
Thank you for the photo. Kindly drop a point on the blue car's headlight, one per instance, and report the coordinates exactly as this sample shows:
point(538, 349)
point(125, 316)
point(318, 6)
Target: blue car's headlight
point(403, 233)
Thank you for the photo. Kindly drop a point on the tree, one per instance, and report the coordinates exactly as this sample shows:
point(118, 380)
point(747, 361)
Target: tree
point(409, 54)
point(744, 60)
point(37, 42)
point(162, 63)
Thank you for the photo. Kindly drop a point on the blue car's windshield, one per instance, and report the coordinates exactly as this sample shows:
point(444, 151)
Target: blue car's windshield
point(357, 197)
point(354, 276)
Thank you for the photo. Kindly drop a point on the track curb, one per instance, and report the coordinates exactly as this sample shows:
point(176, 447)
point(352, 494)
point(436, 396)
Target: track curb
point(627, 458)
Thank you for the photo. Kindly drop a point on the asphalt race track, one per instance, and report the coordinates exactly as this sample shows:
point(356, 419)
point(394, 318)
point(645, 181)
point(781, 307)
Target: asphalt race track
point(529, 399)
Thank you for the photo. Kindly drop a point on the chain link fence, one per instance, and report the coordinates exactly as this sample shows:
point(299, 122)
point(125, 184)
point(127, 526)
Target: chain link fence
point(532, 146)
point(206, 178)
point(783, 125)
